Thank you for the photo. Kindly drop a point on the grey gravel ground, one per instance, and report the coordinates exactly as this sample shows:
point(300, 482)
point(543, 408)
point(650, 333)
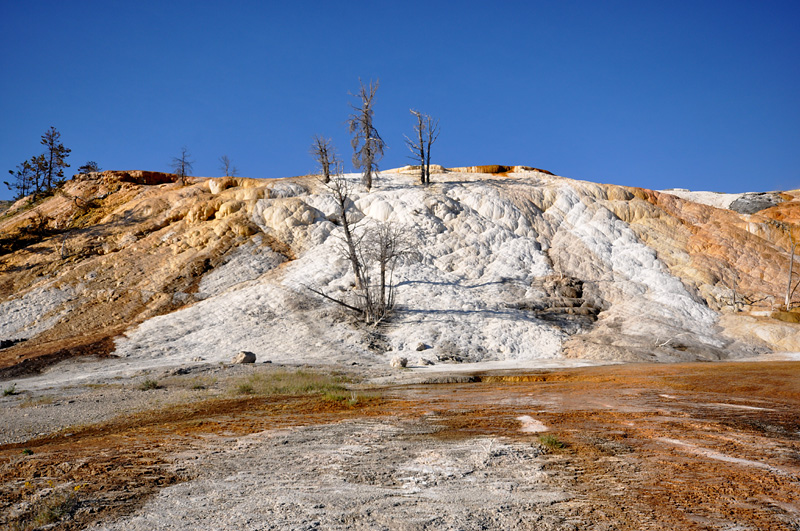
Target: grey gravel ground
point(358, 474)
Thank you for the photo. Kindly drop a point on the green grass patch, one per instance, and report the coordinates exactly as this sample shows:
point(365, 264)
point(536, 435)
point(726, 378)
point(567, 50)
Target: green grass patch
point(299, 383)
point(10, 390)
point(551, 441)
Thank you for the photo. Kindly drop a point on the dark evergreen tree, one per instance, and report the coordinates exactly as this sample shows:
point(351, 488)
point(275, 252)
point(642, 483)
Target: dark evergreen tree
point(22, 181)
point(41, 173)
point(56, 155)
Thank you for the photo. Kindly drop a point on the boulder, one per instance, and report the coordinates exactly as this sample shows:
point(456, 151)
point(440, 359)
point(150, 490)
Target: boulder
point(244, 357)
point(398, 362)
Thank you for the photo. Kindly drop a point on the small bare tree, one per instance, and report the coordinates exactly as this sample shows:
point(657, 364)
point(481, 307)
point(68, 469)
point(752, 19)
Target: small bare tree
point(325, 155)
point(368, 248)
point(182, 165)
point(426, 131)
point(227, 167)
point(385, 245)
point(367, 143)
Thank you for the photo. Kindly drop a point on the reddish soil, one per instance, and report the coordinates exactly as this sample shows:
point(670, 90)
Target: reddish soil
point(690, 446)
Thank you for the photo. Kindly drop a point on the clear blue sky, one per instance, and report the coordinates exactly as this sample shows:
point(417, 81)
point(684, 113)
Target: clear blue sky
point(700, 95)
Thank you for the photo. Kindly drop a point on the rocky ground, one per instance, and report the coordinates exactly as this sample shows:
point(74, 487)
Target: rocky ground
point(689, 446)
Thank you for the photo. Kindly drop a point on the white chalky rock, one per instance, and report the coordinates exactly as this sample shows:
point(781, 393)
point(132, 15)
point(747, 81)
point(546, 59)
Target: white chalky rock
point(399, 362)
point(244, 357)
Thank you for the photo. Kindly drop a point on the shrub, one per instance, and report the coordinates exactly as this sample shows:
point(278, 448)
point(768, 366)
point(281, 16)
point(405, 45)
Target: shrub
point(245, 389)
point(149, 384)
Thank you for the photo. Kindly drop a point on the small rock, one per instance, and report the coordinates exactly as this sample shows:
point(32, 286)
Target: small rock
point(423, 361)
point(244, 357)
point(422, 346)
point(267, 361)
point(399, 362)
point(198, 358)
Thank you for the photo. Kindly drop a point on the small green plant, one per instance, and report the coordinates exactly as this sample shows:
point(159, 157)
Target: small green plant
point(245, 389)
point(10, 390)
point(148, 385)
point(551, 441)
point(27, 451)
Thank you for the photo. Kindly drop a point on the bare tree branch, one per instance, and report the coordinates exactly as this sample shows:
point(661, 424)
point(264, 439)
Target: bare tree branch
point(325, 154)
point(227, 167)
point(426, 131)
point(182, 165)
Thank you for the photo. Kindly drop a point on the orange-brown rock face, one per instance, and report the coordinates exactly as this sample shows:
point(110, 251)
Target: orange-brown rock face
point(124, 246)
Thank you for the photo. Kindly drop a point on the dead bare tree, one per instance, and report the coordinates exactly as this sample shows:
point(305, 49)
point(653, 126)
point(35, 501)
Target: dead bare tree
point(385, 246)
point(227, 167)
point(341, 190)
point(182, 165)
point(432, 133)
point(378, 247)
point(367, 144)
point(789, 289)
point(325, 155)
point(426, 131)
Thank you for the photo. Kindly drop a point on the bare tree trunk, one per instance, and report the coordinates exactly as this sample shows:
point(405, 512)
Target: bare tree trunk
point(426, 131)
point(791, 267)
point(417, 146)
point(324, 153)
point(432, 129)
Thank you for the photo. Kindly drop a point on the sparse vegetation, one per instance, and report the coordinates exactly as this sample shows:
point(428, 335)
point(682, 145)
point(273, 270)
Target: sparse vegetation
point(54, 507)
point(329, 387)
point(10, 390)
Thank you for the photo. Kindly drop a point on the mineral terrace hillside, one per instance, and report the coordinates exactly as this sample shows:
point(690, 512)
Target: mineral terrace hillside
point(512, 265)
